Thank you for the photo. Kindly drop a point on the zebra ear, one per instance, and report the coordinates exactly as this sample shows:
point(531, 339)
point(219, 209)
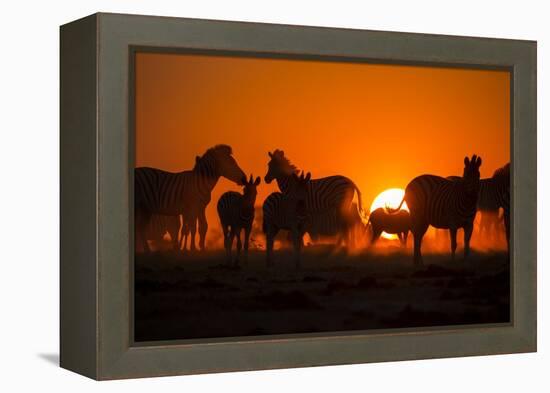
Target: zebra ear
point(478, 162)
point(308, 176)
point(257, 181)
point(243, 180)
point(251, 179)
point(466, 161)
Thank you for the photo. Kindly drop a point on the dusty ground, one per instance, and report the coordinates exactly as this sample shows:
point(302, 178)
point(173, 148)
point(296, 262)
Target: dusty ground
point(197, 296)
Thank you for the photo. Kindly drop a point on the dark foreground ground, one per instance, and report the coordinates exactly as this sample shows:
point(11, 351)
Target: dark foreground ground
point(196, 296)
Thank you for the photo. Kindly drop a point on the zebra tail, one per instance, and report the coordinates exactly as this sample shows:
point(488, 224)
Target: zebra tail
point(391, 210)
point(359, 200)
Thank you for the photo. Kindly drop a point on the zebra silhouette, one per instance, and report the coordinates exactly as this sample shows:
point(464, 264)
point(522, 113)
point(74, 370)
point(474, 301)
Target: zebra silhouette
point(159, 225)
point(500, 193)
point(286, 211)
point(236, 212)
point(443, 203)
point(330, 196)
point(494, 194)
point(187, 192)
point(384, 220)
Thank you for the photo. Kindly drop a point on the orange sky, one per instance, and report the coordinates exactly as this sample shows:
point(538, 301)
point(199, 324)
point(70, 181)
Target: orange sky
point(380, 125)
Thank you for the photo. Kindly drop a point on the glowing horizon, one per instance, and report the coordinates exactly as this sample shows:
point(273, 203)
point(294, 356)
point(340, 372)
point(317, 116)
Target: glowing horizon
point(379, 125)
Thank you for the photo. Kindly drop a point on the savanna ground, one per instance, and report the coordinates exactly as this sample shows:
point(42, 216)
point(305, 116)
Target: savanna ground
point(198, 296)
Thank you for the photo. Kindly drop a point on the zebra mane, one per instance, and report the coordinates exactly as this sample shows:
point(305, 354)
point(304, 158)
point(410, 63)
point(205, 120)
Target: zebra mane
point(220, 150)
point(204, 161)
point(279, 157)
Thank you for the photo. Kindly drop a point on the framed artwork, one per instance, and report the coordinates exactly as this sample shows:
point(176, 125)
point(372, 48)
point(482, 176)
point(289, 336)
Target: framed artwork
point(240, 196)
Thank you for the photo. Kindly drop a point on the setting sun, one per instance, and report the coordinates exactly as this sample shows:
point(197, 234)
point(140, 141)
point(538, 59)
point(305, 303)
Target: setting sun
point(389, 198)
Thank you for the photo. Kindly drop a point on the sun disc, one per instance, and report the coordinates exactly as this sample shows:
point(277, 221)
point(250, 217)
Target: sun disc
point(391, 197)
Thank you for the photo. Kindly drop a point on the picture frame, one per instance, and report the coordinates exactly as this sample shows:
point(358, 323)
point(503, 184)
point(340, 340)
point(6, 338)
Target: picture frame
point(96, 201)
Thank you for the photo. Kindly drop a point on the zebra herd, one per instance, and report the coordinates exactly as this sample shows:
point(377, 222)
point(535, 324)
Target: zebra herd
point(319, 207)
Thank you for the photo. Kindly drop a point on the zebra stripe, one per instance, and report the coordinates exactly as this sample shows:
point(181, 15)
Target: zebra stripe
point(333, 192)
point(441, 202)
point(168, 193)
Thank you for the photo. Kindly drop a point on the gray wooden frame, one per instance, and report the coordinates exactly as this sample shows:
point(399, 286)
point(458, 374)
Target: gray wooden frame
point(96, 211)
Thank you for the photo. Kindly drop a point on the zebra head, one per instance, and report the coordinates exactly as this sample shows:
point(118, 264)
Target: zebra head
point(278, 166)
point(220, 159)
point(298, 193)
point(471, 175)
point(250, 189)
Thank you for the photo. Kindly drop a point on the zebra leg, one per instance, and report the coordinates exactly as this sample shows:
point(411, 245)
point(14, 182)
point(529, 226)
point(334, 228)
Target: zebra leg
point(347, 237)
point(141, 240)
point(418, 234)
point(507, 227)
point(179, 238)
point(246, 240)
point(376, 232)
point(482, 225)
point(239, 247)
point(452, 232)
point(405, 236)
point(184, 237)
point(203, 228)
point(270, 237)
point(174, 237)
point(468, 229)
point(297, 240)
point(193, 230)
point(142, 222)
point(402, 238)
point(227, 243)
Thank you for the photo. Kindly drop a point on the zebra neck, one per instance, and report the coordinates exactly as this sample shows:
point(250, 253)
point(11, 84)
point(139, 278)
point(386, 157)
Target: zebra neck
point(207, 175)
point(284, 183)
point(469, 201)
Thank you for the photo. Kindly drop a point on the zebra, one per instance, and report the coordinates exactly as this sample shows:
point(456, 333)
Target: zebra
point(384, 220)
point(286, 211)
point(188, 192)
point(443, 203)
point(494, 194)
point(333, 193)
point(236, 212)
